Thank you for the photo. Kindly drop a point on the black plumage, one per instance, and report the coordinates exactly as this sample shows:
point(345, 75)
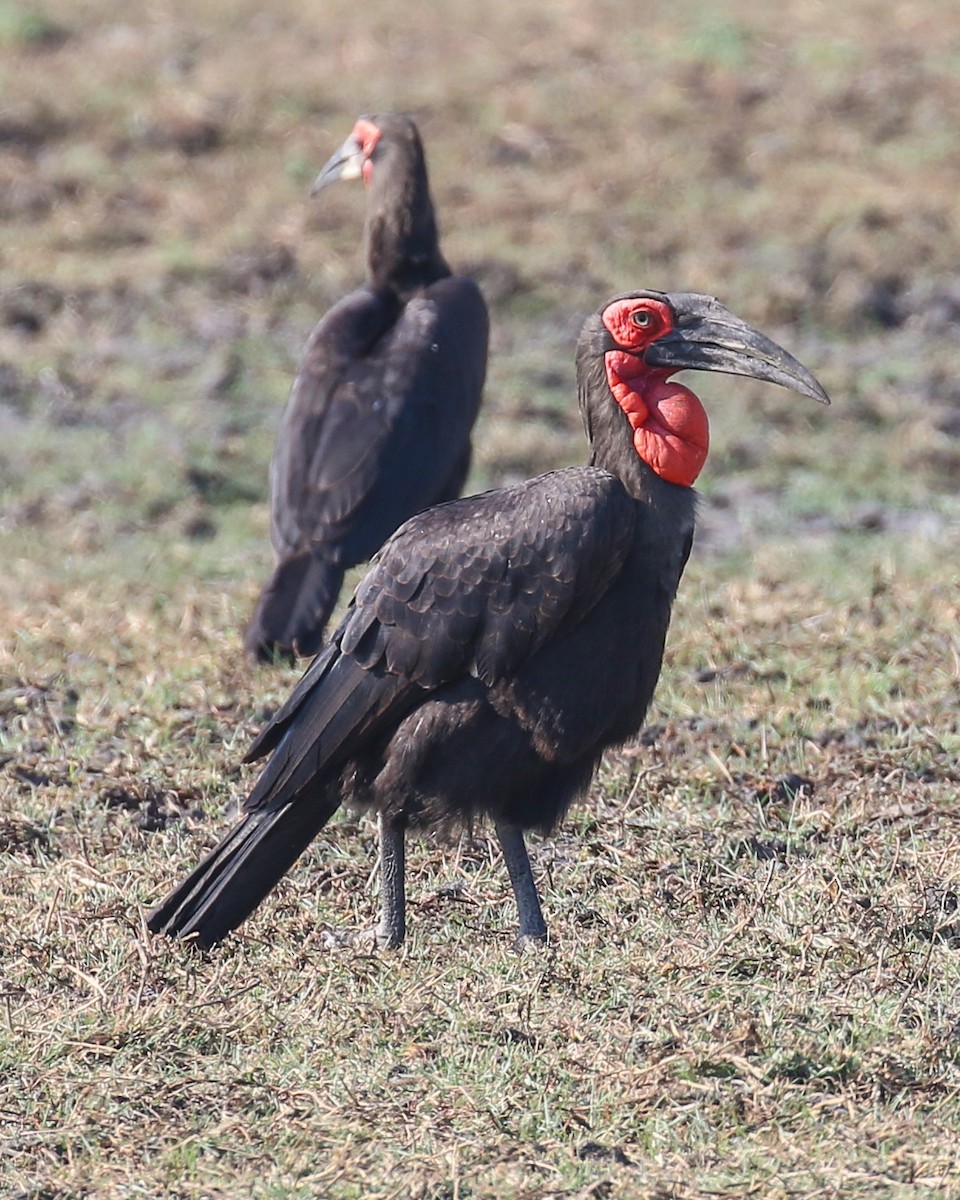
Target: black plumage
point(500, 643)
point(378, 422)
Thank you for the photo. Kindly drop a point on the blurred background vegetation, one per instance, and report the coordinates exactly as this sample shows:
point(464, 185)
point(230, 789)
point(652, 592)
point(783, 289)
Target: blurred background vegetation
point(162, 265)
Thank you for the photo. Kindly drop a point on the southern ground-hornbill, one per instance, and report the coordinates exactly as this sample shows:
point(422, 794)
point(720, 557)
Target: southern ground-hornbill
point(378, 422)
point(498, 644)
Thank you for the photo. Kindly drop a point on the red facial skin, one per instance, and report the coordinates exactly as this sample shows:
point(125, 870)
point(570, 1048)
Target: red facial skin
point(670, 429)
point(367, 134)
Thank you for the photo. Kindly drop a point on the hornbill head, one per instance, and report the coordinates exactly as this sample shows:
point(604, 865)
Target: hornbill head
point(646, 337)
point(372, 139)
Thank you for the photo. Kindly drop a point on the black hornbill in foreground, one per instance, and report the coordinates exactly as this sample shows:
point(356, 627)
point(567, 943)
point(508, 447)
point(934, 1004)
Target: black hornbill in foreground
point(378, 422)
point(498, 644)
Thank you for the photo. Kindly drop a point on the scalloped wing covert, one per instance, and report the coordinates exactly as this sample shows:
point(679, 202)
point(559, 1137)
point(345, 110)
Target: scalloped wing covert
point(476, 586)
point(473, 587)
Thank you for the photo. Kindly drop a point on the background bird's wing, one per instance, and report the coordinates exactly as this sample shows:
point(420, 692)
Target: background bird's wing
point(473, 587)
point(379, 417)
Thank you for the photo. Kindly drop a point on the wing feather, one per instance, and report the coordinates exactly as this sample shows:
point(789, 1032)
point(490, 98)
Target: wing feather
point(378, 422)
point(473, 587)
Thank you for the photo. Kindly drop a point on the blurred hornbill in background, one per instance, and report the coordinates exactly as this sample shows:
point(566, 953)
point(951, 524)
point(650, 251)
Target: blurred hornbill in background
point(498, 644)
point(378, 422)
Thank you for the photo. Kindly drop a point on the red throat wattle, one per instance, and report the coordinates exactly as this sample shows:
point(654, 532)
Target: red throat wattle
point(670, 428)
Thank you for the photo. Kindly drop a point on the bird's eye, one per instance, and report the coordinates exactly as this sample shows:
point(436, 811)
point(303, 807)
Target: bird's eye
point(641, 317)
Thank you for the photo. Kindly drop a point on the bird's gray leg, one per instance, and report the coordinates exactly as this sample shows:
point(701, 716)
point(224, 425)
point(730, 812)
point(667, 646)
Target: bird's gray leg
point(392, 927)
point(532, 927)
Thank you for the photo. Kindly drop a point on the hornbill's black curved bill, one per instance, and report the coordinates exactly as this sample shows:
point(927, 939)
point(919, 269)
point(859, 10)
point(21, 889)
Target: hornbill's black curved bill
point(707, 337)
point(346, 163)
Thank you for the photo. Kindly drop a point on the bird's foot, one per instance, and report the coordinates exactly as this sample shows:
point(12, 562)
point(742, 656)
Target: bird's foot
point(530, 943)
point(360, 939)
point(338, 939)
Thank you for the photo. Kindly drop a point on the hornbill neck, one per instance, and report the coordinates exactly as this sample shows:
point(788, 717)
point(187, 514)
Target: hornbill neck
point(403, 250)
point(610, 436)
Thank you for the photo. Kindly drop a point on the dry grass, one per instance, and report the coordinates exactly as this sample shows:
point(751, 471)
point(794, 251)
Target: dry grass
point(752, 984)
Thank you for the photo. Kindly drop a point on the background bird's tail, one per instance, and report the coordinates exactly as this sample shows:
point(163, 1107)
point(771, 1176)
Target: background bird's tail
point(232, 880)
point(294, 607)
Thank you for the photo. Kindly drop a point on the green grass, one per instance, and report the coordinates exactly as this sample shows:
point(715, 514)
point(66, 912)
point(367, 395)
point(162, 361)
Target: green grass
point(27, 26)
point(751, 987)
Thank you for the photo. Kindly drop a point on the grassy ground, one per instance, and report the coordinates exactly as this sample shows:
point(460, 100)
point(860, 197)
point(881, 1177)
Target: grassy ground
point(752, 987)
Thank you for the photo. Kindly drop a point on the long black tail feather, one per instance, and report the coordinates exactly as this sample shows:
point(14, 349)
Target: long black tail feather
point(232, 880)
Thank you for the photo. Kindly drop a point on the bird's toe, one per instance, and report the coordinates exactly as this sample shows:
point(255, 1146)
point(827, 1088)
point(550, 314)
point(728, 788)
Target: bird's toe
point(360, 939)
point(530, 943)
